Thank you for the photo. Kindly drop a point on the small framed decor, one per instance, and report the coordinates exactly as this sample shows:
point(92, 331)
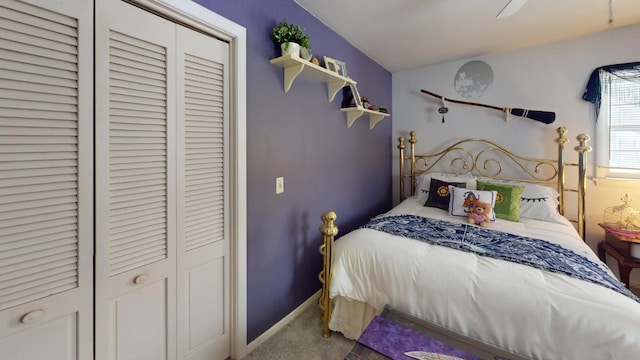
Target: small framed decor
point(330, 64)
point(356, 96)
point(342, 68)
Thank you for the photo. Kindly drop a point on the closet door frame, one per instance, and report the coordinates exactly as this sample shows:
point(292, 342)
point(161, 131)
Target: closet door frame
point(202, 19)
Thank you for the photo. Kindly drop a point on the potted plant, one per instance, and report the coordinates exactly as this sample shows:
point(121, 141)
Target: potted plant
point(290, 38)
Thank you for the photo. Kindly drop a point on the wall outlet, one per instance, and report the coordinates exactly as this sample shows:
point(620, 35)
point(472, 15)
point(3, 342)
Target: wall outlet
point(279, 185)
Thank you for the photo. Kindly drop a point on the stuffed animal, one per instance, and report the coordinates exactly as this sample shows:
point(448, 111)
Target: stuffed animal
point(479, 213)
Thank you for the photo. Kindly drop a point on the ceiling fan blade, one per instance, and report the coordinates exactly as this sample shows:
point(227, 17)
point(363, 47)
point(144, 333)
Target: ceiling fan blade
point(511, 8)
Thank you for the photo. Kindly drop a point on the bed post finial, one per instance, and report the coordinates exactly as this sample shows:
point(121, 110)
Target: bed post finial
point(582, 147)
point(582, 150)
point(562, 140)
point(329, 230)
point(562, 132)
point(328, 227)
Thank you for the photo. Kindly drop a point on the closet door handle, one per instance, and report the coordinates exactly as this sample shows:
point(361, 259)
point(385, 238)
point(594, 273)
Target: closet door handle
point(32, 316)
point(140, 279)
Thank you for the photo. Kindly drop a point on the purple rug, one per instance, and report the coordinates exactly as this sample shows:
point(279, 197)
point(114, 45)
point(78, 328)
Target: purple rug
point(393, 340)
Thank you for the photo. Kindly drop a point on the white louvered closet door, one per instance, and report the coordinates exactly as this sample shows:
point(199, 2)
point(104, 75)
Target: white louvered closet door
point(135, 184)
point(203, 239)
point(162, 266)
point(46, 180)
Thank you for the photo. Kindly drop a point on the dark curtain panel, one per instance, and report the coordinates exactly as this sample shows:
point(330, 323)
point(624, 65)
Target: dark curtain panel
point(628, 71)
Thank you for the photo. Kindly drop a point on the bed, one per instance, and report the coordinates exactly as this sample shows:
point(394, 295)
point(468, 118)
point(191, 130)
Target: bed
point(501, 285)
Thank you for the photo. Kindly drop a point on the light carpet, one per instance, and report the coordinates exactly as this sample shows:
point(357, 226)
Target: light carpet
point(302, 339)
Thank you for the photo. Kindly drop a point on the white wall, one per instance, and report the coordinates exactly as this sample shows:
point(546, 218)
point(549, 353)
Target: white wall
point(550, 78)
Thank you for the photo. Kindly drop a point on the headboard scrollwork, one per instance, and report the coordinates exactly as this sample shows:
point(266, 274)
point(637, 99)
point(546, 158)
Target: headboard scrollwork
point(485, 158)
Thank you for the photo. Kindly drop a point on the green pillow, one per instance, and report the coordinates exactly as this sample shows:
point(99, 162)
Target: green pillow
point(439, 193)
point(507, 201)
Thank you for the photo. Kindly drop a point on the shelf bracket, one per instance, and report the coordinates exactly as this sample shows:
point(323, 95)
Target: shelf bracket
point(353, 115)
point(334, 87)
point(374, 119)
point(290, 74)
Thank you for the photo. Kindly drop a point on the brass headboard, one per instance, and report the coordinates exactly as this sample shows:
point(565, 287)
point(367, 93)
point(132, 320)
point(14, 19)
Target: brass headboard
point(488, 159)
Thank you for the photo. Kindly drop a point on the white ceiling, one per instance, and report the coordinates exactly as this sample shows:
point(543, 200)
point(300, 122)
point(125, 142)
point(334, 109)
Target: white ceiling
point(406, 34)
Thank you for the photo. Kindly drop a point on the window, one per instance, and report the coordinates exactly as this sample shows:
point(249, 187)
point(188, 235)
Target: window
point(618, 121)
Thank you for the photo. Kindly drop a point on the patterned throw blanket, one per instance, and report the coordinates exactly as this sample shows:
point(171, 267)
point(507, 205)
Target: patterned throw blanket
point(537, 253)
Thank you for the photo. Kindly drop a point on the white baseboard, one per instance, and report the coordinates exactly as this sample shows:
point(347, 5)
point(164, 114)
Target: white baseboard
point(313, 300)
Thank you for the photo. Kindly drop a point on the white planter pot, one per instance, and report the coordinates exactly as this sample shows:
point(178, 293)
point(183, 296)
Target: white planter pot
point(293, 49)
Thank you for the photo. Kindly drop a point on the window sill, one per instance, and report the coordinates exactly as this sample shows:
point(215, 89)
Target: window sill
point(616, 182)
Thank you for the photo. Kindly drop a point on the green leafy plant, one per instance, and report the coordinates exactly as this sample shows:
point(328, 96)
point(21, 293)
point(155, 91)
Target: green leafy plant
point(285, 33)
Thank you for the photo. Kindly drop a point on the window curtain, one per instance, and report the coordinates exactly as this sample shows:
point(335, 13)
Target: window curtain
point(615, 92)
point(593, 92)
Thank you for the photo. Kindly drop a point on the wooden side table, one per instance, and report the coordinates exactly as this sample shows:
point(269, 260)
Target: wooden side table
point(619, 247)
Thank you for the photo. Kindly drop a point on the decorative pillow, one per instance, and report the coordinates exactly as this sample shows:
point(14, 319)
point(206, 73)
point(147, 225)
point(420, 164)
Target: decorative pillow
point(539, 202)
point(439, 193)
point(507, 201)
point(423, 182)
point(461, 197)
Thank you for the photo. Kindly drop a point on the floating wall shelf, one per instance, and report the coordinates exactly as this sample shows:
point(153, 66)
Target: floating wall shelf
point(355, 112)
point(294, 66)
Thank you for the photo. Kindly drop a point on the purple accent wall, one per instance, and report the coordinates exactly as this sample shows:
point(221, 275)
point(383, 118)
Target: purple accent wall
point(304, 138)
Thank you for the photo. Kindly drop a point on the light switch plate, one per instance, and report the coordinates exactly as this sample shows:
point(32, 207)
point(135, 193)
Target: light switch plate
point(279, 185)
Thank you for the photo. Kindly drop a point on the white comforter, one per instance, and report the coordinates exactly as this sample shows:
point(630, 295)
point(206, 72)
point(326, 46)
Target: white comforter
point(527, 311)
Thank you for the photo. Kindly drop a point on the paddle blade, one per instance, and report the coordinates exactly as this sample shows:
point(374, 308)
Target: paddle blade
point(546, 117)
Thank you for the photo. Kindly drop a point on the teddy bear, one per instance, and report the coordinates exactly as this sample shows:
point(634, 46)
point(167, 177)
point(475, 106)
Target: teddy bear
point(479, 213)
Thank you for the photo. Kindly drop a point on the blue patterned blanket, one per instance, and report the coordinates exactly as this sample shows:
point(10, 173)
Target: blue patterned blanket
point(537, 253)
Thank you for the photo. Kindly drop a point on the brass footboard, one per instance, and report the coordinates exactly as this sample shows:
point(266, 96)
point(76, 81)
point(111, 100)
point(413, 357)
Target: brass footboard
point(329, 230)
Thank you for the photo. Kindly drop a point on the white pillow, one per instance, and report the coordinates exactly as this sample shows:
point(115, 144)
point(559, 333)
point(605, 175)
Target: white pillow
point(460, 198)
point(538, 202)
point(423, 181)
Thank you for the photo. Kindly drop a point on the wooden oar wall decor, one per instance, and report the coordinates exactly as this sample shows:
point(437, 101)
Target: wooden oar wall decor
point(546, 117)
